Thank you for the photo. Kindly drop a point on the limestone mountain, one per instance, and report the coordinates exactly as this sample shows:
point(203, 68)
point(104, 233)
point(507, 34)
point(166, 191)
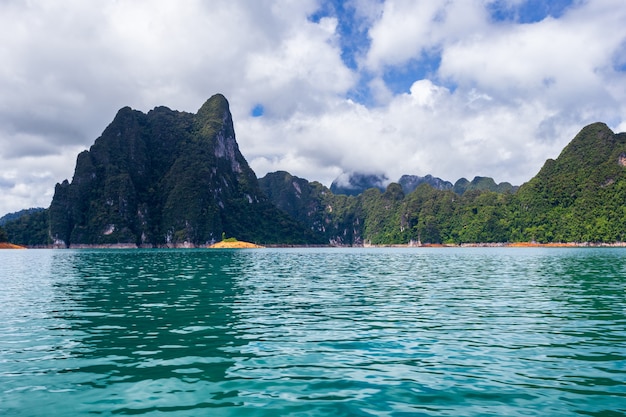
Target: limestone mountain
point(166, 178)
point(334, 218)
point(296, 196)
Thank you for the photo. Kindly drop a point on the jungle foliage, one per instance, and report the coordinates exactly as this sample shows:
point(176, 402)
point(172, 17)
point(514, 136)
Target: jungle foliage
point(30, 229)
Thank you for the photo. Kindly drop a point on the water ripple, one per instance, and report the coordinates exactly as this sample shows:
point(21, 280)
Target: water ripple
point(341, 332)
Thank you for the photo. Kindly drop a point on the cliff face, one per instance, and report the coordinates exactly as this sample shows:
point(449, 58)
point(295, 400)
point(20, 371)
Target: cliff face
point(166, 178)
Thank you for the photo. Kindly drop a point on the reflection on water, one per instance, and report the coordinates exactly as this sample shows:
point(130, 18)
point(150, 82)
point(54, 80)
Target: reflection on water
point(517, 332)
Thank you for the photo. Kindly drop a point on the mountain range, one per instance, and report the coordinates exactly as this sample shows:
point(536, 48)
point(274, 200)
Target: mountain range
point(169, 178)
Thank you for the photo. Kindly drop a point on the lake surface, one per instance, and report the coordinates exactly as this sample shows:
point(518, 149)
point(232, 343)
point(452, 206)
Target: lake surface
point(313, 332)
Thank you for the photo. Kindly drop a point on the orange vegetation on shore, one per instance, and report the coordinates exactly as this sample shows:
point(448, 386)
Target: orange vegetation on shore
point(5, 245)
point(543, 245)
point(234, 245)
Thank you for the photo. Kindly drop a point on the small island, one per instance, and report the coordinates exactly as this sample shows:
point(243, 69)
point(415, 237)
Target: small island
point(233, 243)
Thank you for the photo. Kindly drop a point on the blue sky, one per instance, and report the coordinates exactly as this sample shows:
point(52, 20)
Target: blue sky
point(451, 88)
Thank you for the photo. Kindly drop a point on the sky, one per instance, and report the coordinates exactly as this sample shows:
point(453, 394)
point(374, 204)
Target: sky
point(318, 88)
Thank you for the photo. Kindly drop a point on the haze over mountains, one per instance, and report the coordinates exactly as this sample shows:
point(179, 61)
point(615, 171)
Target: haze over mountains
point(169, 178)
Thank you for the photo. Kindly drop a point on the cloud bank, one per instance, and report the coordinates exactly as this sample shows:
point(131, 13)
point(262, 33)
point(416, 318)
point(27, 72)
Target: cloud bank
point(317, 88)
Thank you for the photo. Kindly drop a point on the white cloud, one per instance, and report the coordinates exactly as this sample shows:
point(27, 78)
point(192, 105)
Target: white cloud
point(302, 73)
point(564, 66)
point(409, 28)
point(522, 59)
point(428, 131)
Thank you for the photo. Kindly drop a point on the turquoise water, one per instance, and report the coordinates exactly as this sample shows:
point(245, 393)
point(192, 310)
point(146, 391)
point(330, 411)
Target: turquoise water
point(313, 332)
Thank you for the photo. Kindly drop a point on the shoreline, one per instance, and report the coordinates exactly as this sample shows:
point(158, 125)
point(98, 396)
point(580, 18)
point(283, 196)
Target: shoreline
point(248, 245)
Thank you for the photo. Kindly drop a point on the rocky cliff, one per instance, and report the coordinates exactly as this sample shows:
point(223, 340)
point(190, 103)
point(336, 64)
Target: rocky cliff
point(167, 178)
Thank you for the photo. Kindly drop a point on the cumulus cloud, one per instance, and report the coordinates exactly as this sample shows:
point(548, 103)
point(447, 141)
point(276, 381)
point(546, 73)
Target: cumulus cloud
point(428, 130)
point(302, 73)
point(479, 94)
point(407, 29)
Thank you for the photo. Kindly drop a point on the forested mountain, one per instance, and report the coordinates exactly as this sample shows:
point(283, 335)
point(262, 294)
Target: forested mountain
point(580, 196)
point(30, 229)
point(169, 178)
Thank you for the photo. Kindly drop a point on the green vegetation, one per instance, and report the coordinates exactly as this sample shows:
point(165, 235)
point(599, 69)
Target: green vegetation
point(3, 236)
point(580, 196)
point(31, 229)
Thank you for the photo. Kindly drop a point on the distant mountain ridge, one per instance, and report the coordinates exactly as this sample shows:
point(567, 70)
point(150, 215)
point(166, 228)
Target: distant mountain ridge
point(355, 183)
point(483, 184)
point(410, 182)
